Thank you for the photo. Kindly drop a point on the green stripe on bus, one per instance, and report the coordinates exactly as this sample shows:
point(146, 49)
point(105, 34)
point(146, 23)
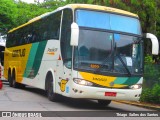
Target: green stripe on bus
point(31, 59)
point(121, 80)
point(132, 80)
point(38, 57)
point(126, 80)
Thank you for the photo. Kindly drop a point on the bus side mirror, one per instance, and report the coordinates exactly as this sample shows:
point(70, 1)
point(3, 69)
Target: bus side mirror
point(155, 43)
point(74, 34)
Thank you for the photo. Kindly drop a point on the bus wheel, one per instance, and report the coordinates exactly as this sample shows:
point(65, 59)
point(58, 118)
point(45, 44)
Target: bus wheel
point(14, 83)
point(50, 93)
point(10, 79)
point(104, 102)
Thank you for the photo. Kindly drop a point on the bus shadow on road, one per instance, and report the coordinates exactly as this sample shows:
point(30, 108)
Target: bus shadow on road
point(84, 104)
point(72, 102)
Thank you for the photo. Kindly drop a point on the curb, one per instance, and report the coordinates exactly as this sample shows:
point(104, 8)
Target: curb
point(144, 105)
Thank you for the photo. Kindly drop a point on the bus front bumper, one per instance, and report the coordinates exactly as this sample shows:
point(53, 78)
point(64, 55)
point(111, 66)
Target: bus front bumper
point(79, 91)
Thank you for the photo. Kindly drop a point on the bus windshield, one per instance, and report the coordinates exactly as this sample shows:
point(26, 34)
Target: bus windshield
point(108, 21)
point(110, 52)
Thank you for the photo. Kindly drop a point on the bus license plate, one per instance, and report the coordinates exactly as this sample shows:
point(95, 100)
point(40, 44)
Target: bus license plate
point(111, 94)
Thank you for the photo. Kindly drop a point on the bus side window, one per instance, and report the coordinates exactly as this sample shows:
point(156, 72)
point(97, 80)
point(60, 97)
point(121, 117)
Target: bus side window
point(34, 36)
point(44, 37)
point(36, 32)
point(54, 26)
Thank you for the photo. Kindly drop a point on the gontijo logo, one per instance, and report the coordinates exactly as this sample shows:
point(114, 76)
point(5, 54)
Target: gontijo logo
point(52, 51)
point(19, 53)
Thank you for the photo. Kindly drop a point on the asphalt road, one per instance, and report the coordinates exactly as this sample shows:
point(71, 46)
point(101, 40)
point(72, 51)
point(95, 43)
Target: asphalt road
point(33, 99)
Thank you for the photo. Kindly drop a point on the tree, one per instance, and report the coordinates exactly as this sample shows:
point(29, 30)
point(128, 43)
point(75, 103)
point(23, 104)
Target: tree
point(28, 11)
point(51, 5)
point(100, 2)
point(8, 10)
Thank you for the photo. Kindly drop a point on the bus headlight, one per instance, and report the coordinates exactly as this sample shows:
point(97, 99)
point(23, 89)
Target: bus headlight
point(137, 86)
point(82, 82)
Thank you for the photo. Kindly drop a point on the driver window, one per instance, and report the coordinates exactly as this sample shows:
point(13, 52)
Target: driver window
point(66, 49)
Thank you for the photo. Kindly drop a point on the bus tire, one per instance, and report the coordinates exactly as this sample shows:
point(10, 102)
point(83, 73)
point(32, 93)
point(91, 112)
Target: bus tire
point(10, 78)
point(49, 88)
point(14, 83)
point(104, 102)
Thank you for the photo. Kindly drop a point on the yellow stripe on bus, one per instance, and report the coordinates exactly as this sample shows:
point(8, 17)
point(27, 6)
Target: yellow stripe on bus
point(101, 80)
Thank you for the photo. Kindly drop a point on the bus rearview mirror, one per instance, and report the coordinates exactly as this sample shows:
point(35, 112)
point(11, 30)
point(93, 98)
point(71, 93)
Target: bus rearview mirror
point(74, 34)
point(155, 43)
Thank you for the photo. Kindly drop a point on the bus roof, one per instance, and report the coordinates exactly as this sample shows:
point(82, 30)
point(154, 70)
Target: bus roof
point(102, 8)
point(80, 6)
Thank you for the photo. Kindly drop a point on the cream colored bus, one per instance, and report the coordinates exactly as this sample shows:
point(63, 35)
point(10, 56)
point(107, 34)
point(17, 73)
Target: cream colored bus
point(79, 51)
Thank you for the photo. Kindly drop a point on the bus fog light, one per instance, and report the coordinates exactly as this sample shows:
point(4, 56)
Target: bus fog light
point(82, 82)
point(137, 86)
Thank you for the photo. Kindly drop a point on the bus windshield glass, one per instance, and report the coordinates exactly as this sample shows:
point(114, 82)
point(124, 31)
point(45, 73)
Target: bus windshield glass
point(108, 52)
point(108, 21)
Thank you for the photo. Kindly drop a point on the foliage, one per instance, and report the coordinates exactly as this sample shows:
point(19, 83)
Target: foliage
point(51, 5)
point(151, 85)
point(151, 75)
point(149, 59)
point(7, 15)
point(27, 12)
point(15, 12)
point(151, 95)
point(151, 70)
